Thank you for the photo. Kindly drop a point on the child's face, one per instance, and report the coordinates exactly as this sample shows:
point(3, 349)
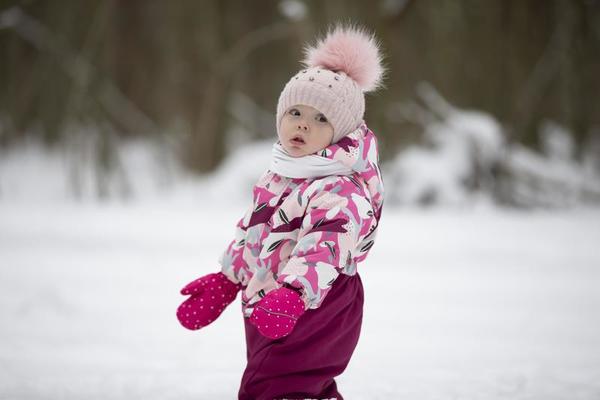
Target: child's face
point(307, 123)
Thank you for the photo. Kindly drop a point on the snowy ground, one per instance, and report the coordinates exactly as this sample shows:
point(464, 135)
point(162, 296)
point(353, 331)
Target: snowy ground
point(485, 304)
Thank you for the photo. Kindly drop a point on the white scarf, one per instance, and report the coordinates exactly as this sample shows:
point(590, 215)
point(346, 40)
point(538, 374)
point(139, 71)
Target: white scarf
point(309, 166)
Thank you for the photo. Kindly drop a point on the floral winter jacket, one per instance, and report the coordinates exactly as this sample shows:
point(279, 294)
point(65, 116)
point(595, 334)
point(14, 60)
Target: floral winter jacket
point(304, 232)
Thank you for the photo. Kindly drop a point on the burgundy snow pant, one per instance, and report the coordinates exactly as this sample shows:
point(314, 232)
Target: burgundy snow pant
point(304, 363)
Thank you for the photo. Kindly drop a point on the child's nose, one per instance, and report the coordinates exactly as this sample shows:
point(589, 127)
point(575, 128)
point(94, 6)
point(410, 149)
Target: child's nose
point(303, 126)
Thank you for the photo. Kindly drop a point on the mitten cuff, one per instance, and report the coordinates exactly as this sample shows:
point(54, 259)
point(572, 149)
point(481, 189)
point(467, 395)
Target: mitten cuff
point(300, 292)
point(231, 284)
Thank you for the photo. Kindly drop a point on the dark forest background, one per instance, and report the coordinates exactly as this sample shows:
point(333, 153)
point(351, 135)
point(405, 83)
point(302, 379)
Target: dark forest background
point(182, 71)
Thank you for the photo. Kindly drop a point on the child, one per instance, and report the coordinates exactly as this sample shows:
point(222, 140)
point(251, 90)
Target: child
point(313, 219)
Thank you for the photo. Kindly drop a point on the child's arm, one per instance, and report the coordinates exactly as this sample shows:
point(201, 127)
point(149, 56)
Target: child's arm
point(211, 294)
point(232, 260)
point(337, 219)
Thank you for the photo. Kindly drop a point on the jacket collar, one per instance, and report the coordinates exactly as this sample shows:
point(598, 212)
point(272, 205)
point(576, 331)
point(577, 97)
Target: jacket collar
point(359, 151)
point(354, 155)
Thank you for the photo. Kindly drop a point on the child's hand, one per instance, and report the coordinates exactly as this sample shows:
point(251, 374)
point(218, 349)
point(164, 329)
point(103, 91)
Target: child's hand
point(276, 314)
point(210, 295)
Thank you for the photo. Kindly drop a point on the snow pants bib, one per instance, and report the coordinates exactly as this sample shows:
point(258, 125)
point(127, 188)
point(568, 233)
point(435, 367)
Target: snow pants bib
point(304, 363)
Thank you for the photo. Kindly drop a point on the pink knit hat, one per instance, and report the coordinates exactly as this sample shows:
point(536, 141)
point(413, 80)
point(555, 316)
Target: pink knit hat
point(339, 70)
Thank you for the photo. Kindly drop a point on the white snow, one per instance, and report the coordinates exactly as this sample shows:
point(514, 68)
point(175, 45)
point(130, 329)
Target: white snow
point(460, 148)
point(459, 304)
point(464, 160)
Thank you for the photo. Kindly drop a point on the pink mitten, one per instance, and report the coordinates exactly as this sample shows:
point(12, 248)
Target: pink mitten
point(210, 295)
point(276, 314)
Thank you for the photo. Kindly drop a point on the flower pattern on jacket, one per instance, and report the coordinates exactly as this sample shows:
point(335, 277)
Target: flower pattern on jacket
point(304, 232)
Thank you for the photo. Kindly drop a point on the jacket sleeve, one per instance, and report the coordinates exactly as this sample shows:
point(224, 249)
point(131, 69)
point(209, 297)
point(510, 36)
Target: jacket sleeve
point(326, 242)
point(232, 259)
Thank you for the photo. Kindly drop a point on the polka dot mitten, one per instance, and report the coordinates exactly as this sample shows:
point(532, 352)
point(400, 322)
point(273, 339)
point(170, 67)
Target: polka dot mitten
point(210, 294)
point(276, 314)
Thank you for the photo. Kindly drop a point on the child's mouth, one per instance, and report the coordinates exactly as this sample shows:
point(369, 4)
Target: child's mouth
point(297, 140)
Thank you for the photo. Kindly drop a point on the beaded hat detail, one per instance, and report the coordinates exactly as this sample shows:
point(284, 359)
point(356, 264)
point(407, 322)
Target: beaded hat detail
point(338, 71)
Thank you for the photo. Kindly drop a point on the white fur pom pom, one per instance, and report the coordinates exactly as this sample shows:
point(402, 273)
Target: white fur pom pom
point(351, 50)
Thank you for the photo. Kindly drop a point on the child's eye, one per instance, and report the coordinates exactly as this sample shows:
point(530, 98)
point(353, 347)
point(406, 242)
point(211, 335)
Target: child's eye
point(295, 112)
point(322, 118)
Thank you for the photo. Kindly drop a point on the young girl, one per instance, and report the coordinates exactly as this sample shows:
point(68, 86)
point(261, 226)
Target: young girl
point(313, 219)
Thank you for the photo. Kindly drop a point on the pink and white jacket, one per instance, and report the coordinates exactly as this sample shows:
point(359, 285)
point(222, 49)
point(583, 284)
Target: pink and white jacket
point(304, 232)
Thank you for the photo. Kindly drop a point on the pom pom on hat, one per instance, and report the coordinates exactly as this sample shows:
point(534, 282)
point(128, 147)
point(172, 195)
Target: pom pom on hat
point(351, 50)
